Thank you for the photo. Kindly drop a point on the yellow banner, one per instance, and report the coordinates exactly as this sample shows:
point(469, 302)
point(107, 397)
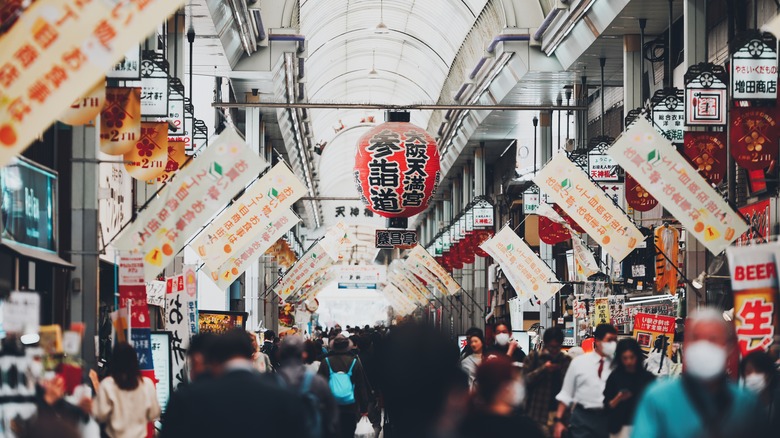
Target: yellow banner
point(657, 165)
point(120, 120)
point(86, 108)
point(601, 311)
point(569, 187)
point(176, 158)
point(147, 159)
point(57, 51)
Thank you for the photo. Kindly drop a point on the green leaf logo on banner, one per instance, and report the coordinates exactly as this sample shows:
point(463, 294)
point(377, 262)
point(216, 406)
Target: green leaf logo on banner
point(654, 157)
point(510, 247)
point(273, 193)
point(566, 184)
point(215, 170)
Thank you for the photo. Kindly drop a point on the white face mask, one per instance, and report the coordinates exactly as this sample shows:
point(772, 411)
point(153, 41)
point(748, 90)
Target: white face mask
point(704, 360)
point(518, 394)
point(755, 382)
point(608, 348)
point(502, 339)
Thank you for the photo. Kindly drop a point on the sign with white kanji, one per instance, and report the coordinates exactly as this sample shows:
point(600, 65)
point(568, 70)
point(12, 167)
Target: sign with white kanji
point(129, 67)
point(154, 89)
point(403, 239)
point(705, 95)
point(754, 67)
point(668, 113)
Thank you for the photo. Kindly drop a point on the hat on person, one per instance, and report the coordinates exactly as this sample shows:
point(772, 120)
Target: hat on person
point(341, 343)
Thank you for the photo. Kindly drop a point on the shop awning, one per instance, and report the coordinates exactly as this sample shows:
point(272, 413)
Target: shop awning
point(37, 254)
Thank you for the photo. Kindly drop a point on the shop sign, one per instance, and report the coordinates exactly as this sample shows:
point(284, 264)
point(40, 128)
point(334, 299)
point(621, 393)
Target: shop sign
point(637, 197)
point(246, 253)
point(29, 204)
point(753, 272)
point(483, 214)
point(176, 111)
point(161, 356)
point(315, 259)
point(654, 331)
point(181, 321)
point(706, 151)
point(469, 221)
point(678, 187)
point(129, 67)
point(754, 67)
point(133, 298)
point(668, 113)
point(601, 311)
point(389, 239)
point(56, 51)
point(155, 293)
point(422, 257)
point(361, 274)
point(148, 157)
point(602, 167)
point(439, 247)
point(589, 206)
point(154, 88)
point(705, 95)
point(617, 310)
point(120, 120)
point(115, 202)
point(759, 216)
point(204, 186)
point(615, 191)
point(527, 273)
point(754, 135)
point(248, 219)
point(462, 227)
point(530, 202)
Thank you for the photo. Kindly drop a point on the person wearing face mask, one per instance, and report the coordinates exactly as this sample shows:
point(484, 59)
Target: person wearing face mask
point(703, 402)
point(583, 387)
point(495, 405)
point(543, 372)
point(762, 378)
point(625, 387)
point(505, 345)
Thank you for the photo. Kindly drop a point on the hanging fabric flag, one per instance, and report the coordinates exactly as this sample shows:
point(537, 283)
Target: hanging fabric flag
point(315, 259)
point(584, 261)
point(706, 151)
point(754, 134)
point(421, 256)
point(637, 197)
point(176, 158)
point(667, 239)
point(551, 232)
point(147, 159)
point(86, 108)
point(120, 120)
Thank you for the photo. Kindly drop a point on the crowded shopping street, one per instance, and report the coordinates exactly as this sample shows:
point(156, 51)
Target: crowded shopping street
point(389, 218)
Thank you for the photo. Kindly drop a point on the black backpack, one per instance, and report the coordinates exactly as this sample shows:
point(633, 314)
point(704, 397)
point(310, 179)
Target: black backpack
point(312, 413)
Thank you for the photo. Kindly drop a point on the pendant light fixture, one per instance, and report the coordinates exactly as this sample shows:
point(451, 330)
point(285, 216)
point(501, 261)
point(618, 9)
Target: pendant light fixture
point(373, 74)
point(381, 28)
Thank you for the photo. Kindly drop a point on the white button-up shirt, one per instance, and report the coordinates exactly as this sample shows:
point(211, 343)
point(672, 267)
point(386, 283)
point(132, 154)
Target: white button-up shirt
point(582, 384)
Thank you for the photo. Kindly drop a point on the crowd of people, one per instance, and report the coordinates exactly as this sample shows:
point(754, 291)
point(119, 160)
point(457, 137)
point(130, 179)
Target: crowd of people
point(412, 381)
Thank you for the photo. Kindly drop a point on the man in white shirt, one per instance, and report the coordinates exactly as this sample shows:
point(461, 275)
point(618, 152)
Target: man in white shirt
point(583, 387)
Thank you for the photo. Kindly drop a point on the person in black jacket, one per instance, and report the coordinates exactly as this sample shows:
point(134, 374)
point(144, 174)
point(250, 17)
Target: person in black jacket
point(238, 401)
point(625, 386)
point(341, 360)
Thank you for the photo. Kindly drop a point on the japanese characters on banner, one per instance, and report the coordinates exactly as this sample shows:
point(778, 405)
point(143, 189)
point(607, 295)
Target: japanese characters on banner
point(657, 165)
point(584, 261)
point(398, 301)
point(181, 319)
point(404, 276)
point(569, 187)
point(637, 197)
point(154, 89)
point(73, 44)
point(132, 296)
point(650, 331)
point(120, 120)
point(528, 274)
point(754, 67)
point(155, 293)
point(421, 256)
point(271, 230)
point(483, 214)
point(759, 216)
point(706, 151)
point(408, 288)
point(427, 276)
point(397, 169)
point(147, 159)
point(753, 272)
point(337, 240)
point(248, 218)
point(177, 156)
point(185, 204)
point(552, 232)
point(315, 259)
point(754, 134)
point(601, 311)
point(87, 107)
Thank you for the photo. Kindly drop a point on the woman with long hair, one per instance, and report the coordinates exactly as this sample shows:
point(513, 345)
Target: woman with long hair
point(126, 401)
point(625, 386)
point(476, 346)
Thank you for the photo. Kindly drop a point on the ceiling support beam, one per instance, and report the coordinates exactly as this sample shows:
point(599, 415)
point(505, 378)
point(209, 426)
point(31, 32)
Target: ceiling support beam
point(377, 106)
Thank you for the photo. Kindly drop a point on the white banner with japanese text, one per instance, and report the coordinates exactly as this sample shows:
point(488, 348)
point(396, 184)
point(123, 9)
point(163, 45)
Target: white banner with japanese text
point(660, 169)
point(569, 187)
point(427, 276)
point(193, 196)
point(315, 259)
point(57, 51)
point(419, 255)
point(242, 223)
point(398, 300)
point(528, 274)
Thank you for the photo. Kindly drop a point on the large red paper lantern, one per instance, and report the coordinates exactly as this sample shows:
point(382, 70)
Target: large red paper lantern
point(397, 169)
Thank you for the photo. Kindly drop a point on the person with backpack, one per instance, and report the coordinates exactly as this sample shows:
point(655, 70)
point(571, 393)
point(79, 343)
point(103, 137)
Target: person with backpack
point(321, 411)
point(347, 382)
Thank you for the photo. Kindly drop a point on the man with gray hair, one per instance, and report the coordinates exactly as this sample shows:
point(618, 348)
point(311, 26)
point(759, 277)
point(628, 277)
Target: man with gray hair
point(704, 402)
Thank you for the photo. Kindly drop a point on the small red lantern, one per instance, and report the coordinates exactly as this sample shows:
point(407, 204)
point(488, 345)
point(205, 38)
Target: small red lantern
point(397, 169)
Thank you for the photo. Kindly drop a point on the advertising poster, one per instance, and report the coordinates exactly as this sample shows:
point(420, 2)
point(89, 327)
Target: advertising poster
point(585, 202)
point(50, 61)
point(219, 322)
point(657, 165)
point(601, 311)
point(652, 331)
point(753, 272)
point(759, 216)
